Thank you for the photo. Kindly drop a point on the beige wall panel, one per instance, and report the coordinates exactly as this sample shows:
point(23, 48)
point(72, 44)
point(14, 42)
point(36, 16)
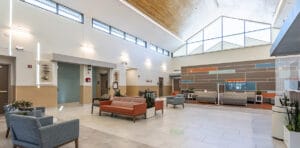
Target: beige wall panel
point(86, 94)
point(43, 96)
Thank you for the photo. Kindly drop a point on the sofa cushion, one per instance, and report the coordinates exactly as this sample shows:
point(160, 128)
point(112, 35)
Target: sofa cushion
point(123, 104)
point(130, 99)
point(117, 109)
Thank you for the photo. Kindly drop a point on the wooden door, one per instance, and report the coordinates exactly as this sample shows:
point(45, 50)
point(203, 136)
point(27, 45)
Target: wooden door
point(3, 86)
point(160, 85)
point(104, 83)
point(176, 83)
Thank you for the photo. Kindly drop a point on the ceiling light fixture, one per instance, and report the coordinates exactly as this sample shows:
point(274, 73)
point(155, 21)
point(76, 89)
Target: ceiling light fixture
point(10, 32)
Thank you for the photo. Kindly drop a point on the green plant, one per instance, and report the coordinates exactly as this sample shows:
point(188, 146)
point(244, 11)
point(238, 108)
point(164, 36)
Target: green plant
point(117, 93)
point(293, 116)
point(150, 98)
point(258, 92)
point(191, 90)
point(21, 104)
point(284, 101)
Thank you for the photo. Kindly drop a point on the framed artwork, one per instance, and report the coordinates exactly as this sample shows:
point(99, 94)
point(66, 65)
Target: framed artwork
point(115, 85)
point(46, 72)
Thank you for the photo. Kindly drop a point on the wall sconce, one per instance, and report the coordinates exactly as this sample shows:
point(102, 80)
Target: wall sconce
point(164, 67)
point(87, 47)
point(148, 63)
point(124, 58)
point(20, 32)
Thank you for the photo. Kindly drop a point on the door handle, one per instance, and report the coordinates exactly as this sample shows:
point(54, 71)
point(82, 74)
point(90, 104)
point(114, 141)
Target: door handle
point(3, 91)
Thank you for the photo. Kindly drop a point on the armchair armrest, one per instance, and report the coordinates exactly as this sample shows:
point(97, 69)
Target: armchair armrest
point(95, 99)
point(46, 120)
point(57, 134)
point(139, 109)
point(105, 102)
point(170, 97)
point(179, 99)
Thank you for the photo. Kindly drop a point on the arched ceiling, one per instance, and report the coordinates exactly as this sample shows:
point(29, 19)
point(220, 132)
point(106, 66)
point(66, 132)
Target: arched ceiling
point(185, 17)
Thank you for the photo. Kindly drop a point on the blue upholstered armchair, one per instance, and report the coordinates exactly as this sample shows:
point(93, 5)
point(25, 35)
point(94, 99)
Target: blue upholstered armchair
point(32, 132)
point(176, 100)
point(9, 110)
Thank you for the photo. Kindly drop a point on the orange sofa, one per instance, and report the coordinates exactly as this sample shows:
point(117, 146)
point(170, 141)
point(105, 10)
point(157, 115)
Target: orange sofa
point(129, 106)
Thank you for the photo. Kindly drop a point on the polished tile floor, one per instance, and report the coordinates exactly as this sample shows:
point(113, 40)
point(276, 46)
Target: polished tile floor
point(199, 126)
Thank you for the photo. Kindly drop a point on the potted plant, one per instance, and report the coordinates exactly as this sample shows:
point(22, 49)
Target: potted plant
point(292, 129)
point(22, 105)
point(258, 92)
point(117, 93)
point(150, 100)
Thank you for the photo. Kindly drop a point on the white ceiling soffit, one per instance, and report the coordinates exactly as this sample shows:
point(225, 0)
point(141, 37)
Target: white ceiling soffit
point(288, 39)
point(82, 61)
point(115, 13)
point(283, 9)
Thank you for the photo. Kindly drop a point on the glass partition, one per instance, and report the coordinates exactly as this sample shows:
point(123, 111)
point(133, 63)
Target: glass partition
point(226, 33)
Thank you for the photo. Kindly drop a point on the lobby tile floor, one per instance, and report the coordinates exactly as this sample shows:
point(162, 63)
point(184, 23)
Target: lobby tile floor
point(197, 125)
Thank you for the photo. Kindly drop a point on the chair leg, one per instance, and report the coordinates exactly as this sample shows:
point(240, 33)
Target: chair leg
point(7, 132)
point(76, 143)
point(133, 119)
point(99, 112)
point(145, 116)
point(111, 114)
point(183, 105)
point(174, 106)
point(92, 110)
point(162, 111)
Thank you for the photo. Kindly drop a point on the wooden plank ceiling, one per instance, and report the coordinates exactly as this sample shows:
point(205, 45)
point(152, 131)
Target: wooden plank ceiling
point(171, 14)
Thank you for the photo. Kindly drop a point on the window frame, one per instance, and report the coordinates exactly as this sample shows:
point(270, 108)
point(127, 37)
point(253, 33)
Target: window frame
point(99, 28)
point(115, 33)
point(72, 10)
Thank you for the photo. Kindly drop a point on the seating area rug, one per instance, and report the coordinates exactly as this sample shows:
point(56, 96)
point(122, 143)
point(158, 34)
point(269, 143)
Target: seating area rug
point(89, 138)
point(249, 105)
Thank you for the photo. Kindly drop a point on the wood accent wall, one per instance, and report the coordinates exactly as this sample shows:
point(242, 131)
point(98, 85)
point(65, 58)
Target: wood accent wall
point(262, 72)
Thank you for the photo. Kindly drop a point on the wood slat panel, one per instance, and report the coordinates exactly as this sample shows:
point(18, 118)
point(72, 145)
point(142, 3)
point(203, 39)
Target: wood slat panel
point(171, 14)
point(244, 71)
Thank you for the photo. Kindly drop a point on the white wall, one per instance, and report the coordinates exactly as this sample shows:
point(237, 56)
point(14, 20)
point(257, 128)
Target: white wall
point(57, 34)
point(226, 56)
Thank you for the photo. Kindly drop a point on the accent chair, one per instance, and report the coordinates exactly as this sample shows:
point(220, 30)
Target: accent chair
point(32, 132)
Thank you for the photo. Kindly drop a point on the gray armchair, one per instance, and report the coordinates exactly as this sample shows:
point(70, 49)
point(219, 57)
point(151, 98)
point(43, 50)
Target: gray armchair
point(176, 100)
point(31, 132)
point(9, 110)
